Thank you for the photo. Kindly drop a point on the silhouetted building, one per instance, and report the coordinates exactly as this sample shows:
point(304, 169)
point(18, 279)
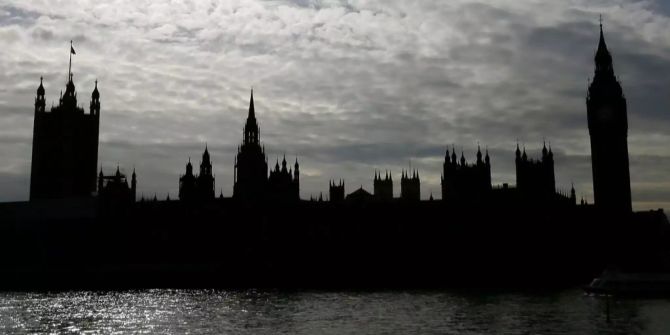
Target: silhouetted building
point(461, 180)
point(336, 191)
point(535, 177)
point(205, 180)
point(360, 195)
point(65, 146)
point(187, 183)
point(284, 184)
point(608, 127)
point(197, 187)
point(383, 188)
point(251, 165)
point(114, 190)
point(410, 186)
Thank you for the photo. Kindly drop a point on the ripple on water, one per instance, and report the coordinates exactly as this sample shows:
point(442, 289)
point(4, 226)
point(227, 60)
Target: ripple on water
point(275, 312)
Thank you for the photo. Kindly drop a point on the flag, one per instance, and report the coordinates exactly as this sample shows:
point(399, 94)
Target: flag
point(72, 50)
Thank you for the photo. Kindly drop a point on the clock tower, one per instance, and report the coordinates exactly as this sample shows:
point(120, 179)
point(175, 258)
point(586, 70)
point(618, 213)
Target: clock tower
point(608, 129)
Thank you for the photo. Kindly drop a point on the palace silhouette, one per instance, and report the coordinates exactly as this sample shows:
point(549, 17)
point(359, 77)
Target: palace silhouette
point(65, 145)
point(265, 235)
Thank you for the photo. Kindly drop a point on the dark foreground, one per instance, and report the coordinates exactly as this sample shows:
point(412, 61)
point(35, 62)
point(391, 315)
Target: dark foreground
point(223, 244)
point(162, 311)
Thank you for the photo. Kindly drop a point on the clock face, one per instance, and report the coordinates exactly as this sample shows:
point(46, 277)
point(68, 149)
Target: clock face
point(605, 113)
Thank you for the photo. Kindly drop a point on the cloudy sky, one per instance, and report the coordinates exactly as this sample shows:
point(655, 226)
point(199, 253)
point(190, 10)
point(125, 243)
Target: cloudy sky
point(348, 86)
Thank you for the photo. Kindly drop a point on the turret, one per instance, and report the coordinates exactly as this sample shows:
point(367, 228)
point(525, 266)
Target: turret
point(95, 101)
point(189, 167)
point(206, 164)
point(69, 98)
point(40, 101)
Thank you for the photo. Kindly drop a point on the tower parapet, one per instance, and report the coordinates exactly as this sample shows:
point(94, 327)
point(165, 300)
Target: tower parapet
point(65, 146)
point(535, 177)
point(383, 187)
point(410, 186)
point(463, 181)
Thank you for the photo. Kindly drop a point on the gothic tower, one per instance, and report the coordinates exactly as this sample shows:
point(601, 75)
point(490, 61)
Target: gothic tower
point(65, 146)
point(608, 129)
point(187, 184)
point(205, 180)
point(251, 165)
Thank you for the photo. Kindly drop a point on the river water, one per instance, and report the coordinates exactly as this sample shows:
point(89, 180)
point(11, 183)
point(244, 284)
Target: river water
point(277, 312)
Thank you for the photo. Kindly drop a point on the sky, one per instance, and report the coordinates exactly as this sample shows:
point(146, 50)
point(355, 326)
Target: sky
point(346, 86)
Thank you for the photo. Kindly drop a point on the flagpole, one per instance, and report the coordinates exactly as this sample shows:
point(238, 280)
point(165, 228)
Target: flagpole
point(69, 69)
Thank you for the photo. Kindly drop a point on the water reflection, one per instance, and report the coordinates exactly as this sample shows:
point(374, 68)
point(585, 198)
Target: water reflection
point(273, 312)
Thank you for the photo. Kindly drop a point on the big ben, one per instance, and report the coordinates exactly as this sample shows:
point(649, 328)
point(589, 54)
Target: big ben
point(608, 129)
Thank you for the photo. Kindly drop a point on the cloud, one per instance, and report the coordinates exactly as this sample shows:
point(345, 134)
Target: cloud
point(347, 86)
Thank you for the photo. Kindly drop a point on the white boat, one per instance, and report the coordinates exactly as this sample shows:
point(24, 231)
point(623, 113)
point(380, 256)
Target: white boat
point(614, 282)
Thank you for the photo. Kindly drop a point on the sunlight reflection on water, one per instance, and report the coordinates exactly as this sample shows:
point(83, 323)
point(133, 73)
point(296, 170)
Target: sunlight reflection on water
point(273, 312)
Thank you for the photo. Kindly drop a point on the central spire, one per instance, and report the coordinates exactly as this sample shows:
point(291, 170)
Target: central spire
point(252, 112)
point(251, 131)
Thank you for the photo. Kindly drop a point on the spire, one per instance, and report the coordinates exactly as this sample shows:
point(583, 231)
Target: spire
point(96, 94)
point(518, 152)
point(189, 167)
point(603, 58)
point(251, 129)
point(205, 155)
point(40, 89)
point(252, 111)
